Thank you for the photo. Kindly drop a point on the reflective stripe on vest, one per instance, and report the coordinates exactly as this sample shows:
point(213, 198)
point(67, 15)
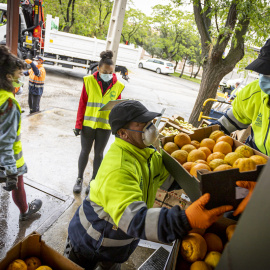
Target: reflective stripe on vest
point(93, 233)
point(17, 145)
point(93, 117)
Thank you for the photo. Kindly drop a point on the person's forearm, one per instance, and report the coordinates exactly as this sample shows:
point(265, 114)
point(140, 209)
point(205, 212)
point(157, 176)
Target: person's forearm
point(156, 224)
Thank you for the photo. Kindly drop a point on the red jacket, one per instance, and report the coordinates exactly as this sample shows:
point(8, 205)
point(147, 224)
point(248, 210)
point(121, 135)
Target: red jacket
point(84, 99)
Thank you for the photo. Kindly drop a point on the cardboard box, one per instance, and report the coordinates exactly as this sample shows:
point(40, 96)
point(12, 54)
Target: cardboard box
point(191, 185)
point(171, 198)
point(180, 129)
point(172, 120)
point(32, 245)
point(204, 122)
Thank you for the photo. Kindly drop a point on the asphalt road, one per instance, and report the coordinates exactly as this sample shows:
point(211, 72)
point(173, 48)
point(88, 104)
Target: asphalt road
point(155, 91)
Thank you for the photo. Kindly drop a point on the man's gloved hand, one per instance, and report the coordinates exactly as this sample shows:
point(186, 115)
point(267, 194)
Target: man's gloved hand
point(28, 61)
point(77, 131)
point(250, 186)
point(199, 217)
point(11, 182)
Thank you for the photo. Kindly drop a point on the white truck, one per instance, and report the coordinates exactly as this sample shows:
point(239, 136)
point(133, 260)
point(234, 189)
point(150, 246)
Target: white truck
point(69, 50)
point(60, 48)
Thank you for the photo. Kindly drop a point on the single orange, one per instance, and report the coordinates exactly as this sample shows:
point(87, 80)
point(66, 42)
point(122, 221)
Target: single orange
point(195, 155)
point(206, 150)
point(181, 139)
point(210, 143)
point(195, 143)
point(200, 166)
point(216, 134)
point(170, 147)
point(223, 147)
point(215, 155)
point(187, 165)
point(227, 139)
point(180, 156)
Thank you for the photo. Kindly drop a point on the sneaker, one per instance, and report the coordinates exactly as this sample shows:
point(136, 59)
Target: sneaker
point(33, 207)
point(87, 189)
point(78, 185)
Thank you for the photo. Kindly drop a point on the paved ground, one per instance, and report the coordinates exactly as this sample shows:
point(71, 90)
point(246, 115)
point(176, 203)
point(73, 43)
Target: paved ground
point(51, 150)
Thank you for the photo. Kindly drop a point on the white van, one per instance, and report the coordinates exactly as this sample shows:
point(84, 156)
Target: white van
point(158, 65)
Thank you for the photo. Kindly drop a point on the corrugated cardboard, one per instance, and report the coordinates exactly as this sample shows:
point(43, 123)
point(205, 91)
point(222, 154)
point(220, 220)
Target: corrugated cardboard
point(32, 245)
point(170, 199)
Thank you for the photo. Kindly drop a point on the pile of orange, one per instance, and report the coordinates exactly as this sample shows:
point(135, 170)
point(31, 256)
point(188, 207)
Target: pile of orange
point(32, 263)
point(213, 154)
point(202, 251)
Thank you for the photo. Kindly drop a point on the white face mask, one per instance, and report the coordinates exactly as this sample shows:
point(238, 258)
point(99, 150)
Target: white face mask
point(19, 82)
point(105, 77)
point(149, 133)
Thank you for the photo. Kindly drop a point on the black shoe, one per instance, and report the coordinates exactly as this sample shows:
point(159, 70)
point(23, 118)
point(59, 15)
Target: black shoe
point(87, 189)
point(33, 207)
point(78, 185)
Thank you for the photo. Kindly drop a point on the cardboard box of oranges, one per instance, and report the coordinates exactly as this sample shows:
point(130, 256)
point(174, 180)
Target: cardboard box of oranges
point(209, 154)
point(33, 247)
point(202, 249)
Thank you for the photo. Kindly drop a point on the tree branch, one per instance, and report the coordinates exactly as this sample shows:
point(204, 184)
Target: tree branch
point(237, 52)
point(202, 25)
point(223, 38)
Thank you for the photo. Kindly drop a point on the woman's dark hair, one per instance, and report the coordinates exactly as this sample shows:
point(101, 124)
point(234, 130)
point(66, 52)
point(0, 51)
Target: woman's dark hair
point(9, 64)
point(106, 58)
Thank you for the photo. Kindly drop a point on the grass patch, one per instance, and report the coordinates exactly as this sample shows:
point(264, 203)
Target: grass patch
point(176, 74)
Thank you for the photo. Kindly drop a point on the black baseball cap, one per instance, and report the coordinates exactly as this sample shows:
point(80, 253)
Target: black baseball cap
point(262, 63)
point(127, 111)
point(38, 58)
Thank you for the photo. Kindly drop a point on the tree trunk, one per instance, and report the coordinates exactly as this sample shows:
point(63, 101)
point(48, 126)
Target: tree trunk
point(212, 75)
point(191, 70)
point(195, 75)
point(180, 76)
point(176, 64)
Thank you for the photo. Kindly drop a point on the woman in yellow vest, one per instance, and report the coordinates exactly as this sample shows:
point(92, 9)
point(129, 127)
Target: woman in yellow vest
point(93, 125)
point(11, 156)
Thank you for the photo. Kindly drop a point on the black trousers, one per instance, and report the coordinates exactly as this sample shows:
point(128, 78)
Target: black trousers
point(33, 102)
point(88, 136)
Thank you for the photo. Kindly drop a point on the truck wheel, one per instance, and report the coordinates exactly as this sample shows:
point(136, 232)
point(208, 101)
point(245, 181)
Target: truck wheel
point(158, 71)
point(93, 70)
point(140, 65)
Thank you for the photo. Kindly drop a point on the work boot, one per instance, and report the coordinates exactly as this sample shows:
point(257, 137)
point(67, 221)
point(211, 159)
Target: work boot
point(78, 185)
point(33, 207)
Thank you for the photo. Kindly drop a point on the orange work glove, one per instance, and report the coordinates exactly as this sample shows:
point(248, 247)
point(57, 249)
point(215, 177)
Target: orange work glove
point(199, 217)
point(250, 186)
point(28, 61)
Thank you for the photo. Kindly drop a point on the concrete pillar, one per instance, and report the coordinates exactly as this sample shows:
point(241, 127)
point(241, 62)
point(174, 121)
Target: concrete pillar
point(115, 28)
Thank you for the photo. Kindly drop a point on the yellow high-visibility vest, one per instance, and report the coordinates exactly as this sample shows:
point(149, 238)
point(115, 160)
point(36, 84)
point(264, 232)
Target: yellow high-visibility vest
point(93, 117)
point(17, 145)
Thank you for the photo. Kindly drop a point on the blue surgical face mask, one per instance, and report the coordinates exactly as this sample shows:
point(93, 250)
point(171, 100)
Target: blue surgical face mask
point(105, 77)
point(264, 82)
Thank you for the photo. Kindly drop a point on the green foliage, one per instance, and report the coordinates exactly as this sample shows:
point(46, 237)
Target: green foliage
point(136, 27)
point(82, 17)
point(172, 34)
